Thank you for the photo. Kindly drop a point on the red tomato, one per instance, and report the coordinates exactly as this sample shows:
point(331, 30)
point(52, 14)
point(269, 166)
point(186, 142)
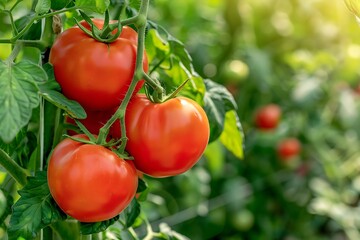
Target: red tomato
point(288, 148)
point(95, 74)
point(268, 117)
point(168, 138)
point(96, 120)
point(89, 182)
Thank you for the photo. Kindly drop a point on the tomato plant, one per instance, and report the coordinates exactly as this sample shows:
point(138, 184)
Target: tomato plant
point(95, 74)
point(288, 148)
point(74, 166)
point(56, 186)
point(168, 138)
point(268, 117)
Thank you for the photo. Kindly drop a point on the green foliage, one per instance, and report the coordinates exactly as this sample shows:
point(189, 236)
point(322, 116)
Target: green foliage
point(90, 228)
point(19, 83)
point(43, 6)
point(218, 101)
point(170, 60)
point(232, 137)
point(34, 210)
point(129, 215)
point(98, 6)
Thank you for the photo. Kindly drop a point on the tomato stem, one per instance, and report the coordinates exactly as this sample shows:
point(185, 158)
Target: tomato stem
point(120, 112)
point(31, 22)
point(41, 132)
point(159, 90)
point(14, 53)
point(17, 172)
point(177, 90)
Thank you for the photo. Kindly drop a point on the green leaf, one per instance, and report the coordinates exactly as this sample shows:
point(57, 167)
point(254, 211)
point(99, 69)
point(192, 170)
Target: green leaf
point(215, 158)
point(21, 148)
point(130, 213)
point(172, 62)
point(98, 6)
point(59, 4)
point(6, 201)
point(34, 33)
point(142, 186)
point(90, 228)
point(34, 210)
point(218, 100)
point(232, 136)
point(51, 92)
point(43, 6)
point(177, 48)
point(216, 90)
point(73, 108)
point(19, 95)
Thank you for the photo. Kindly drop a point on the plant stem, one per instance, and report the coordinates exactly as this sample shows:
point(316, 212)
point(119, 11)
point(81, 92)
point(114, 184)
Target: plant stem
point(155, 85)
point(32, 20)
point(141, 20)
point(13, 7)
point(41, 133)
point(14, 53)
point(17, 172)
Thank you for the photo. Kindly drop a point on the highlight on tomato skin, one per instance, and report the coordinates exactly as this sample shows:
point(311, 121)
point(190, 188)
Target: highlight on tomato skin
point(267, 117)
point(89, 182)
point(172, 137)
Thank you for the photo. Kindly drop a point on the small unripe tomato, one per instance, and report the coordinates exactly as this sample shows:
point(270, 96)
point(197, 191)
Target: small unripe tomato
point(268, 116)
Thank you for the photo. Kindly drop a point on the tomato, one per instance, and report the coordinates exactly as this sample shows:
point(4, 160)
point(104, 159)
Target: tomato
point(89, 182)
point(95, 74)
point(288, 148)
point(96, 120)
point(267, 117)
point(168, 138)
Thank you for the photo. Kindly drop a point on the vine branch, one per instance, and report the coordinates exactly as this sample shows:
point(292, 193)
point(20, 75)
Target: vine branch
point(17, 172)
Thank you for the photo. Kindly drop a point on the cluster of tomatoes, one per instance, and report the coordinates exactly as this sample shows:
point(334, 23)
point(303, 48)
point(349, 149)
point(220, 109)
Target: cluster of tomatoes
point(90, 182)
point(267, 118)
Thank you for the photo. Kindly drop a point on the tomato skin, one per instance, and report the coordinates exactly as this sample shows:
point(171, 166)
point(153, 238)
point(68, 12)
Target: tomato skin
point(268, 116)
point(165, 139)
point(89, 182)
point(95, 74)
point(288, 148)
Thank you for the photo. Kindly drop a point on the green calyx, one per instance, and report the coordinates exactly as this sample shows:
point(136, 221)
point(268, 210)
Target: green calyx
point(104, 35)
point(157, 95)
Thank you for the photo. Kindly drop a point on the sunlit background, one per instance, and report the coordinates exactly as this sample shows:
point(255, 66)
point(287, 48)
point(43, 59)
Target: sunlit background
point(301, 55)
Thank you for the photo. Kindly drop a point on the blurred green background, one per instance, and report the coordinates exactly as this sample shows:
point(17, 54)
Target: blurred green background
point(301, 55)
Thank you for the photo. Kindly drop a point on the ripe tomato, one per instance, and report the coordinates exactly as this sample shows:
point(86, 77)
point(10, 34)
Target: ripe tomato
point(288, 148)
point(89, 182)
point(267, 117)
point(168, 138)
point(95, 74)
